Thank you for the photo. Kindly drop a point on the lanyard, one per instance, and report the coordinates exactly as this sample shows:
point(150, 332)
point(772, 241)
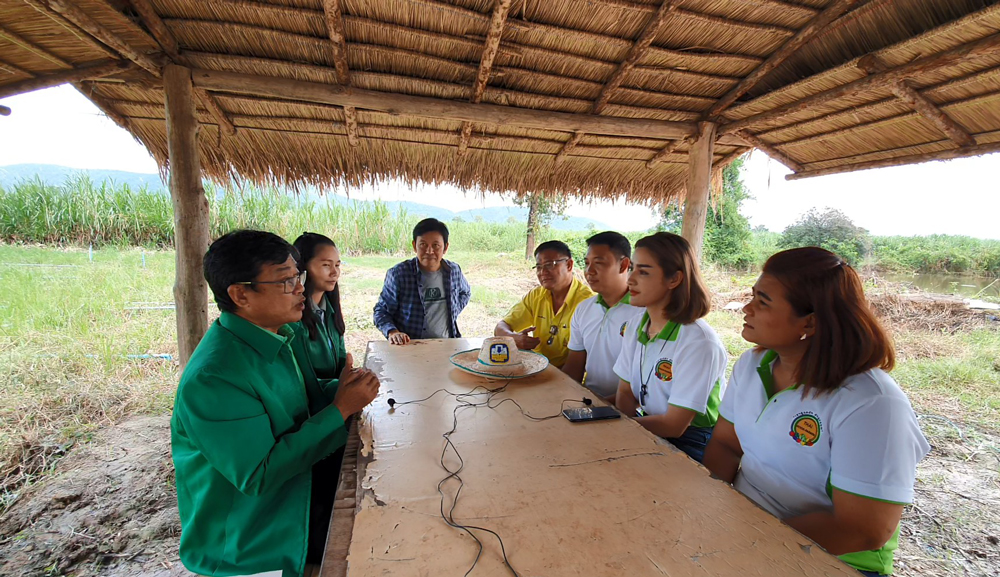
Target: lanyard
point(644, 389)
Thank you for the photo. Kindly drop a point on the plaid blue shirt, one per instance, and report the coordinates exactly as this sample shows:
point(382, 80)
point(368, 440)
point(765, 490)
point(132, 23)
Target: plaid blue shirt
point(401, 304)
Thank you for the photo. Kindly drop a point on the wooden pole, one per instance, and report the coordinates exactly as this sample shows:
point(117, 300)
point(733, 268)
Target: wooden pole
point(769, 149)
point(699, 185)
point(81, 19)
point(964, 54)
point(191, 227)
point(920, 103)
point(75, 75)
point(426, 107)
point(898, 161)
point(490, 49)
point(803, 37)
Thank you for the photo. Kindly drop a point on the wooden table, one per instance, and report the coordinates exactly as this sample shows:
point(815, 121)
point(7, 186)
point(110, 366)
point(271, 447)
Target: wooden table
point(594, 499)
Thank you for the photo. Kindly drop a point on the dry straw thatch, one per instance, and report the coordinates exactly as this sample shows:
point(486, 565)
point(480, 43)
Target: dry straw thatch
point(821, 85)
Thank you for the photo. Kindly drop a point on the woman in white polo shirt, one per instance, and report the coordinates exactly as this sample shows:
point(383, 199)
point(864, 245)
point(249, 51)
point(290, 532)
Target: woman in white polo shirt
point(672, 365)
point(812, 427)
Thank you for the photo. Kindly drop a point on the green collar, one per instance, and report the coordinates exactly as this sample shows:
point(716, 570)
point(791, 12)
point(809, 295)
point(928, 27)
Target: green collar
point(766, 377)
point(266, 343)
point(625, 300)
point(669, 332)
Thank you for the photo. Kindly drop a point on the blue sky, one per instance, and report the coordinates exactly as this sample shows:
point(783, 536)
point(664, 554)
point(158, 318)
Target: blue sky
point(60, 126)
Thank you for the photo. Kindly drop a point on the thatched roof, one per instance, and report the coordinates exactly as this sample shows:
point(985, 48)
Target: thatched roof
point(467, 91)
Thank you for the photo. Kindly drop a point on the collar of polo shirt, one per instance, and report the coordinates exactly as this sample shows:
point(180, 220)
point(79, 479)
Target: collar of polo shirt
point(669, 332)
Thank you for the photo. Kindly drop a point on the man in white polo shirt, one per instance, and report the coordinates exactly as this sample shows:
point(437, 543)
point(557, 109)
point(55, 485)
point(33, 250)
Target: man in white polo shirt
point(599, 323)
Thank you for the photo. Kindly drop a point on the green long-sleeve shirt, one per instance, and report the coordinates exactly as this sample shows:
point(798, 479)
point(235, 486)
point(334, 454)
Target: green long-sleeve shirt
point(244, 441)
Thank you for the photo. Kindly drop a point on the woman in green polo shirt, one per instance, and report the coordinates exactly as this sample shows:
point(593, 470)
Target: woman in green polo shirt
point(322, 327)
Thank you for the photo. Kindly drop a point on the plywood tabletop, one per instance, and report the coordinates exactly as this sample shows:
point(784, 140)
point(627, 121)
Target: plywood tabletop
point(598, 499)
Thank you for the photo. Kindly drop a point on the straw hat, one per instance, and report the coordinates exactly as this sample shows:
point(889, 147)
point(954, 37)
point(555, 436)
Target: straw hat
point(500, 358)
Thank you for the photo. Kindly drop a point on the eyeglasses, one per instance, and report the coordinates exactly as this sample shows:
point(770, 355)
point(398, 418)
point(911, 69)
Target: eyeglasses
point(548, 266)
point(289, 283)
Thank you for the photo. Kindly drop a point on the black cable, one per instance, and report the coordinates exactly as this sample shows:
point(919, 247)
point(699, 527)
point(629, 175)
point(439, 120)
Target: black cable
point(466, 403)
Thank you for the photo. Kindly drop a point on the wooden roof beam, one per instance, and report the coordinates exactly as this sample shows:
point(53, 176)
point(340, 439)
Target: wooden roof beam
point(920, 103)
point(663, 153)
point(815, 27)
point(490, 49)
point(34, 49)
point(769, 150)
point(98, 70)
point(10, 68)
point(898, 161)
point(159, 31)
point(638, 49)
point(80, 19)
point(334, 15)
point(963, 53)
point(421, 106)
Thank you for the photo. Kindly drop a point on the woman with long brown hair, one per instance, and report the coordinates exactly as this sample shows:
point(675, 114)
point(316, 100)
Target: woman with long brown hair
point(812, 427)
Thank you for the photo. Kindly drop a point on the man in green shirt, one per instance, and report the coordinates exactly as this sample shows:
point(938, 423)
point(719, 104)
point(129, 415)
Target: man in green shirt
point(247, 428)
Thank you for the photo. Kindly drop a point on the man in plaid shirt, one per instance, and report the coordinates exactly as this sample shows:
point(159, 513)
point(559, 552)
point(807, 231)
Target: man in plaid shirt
point(422, 297)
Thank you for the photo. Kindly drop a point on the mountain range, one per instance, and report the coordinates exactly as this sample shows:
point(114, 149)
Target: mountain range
point(55, 174)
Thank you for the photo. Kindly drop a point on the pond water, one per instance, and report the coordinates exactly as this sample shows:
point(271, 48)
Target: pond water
point(950, 284)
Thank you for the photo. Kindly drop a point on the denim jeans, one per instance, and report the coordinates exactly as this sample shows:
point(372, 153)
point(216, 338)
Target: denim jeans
point(693, 442)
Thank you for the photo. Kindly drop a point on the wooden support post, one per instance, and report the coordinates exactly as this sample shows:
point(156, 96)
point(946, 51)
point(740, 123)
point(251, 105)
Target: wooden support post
point(699, 185)
point(191, 226)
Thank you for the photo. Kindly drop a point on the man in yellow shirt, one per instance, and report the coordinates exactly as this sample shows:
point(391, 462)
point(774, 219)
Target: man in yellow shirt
point(546, 310)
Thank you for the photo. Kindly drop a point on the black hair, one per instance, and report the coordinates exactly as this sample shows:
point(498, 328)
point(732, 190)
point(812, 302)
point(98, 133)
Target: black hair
point(614, 241)
point(306, 245)
point(430, 225)
point(238, 257)
point(556, 245)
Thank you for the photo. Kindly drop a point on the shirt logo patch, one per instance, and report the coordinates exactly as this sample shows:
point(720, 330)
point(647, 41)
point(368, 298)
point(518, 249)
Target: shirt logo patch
point(621, 331)
point(665, 370)
point(806, 429)
point(499, 353)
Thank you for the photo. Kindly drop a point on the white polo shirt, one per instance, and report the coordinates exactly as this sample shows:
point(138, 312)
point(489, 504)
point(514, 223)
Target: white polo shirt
point(684, 366)
point(599, 331)
point(862, 438)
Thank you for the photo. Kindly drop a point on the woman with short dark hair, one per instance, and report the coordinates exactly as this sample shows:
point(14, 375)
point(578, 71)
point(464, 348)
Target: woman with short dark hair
point(672, 365)
point(813, 429)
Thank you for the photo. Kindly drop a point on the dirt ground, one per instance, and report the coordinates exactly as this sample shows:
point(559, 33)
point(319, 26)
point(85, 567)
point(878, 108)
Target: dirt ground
point(110, 509)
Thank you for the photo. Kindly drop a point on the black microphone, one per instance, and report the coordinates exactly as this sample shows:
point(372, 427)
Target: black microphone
point(587, 401)
point(392, 403)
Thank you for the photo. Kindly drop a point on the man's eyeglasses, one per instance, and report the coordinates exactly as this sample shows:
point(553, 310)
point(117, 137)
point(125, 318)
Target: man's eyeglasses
point(289, 283)
point(548, 266)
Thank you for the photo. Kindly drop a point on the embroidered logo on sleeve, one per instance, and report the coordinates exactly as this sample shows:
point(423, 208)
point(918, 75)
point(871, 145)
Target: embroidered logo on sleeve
point(806, 429)
point(665, 370)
